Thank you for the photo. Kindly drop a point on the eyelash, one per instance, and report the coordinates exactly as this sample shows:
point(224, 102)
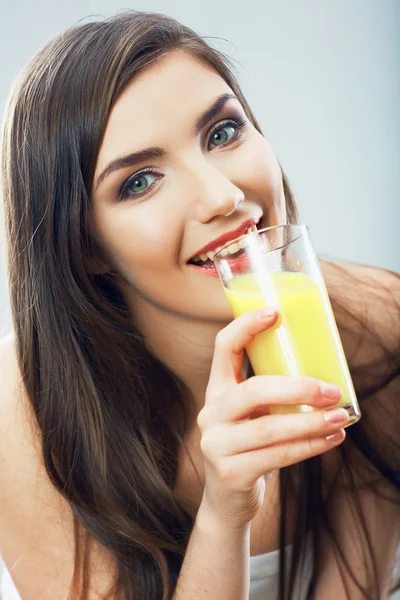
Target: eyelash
point(238, 125)
point(124, 192)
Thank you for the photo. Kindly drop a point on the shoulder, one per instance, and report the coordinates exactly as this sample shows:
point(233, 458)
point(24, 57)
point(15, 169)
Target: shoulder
point(15, 420)
point(22, 475)
point(35, 520)
point(366, 304)
point(9, 370)
point(363, 284)
point(383, 281)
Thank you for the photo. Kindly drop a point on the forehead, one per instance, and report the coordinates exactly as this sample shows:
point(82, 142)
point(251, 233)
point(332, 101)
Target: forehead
point(168, 95)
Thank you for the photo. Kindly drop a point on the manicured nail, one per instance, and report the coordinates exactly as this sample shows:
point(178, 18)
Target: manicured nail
point(336, 415)
point(267, 313)
point(330, 390)
point(336, 437)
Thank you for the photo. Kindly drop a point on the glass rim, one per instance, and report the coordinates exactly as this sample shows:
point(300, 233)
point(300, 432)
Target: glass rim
point(301, 226)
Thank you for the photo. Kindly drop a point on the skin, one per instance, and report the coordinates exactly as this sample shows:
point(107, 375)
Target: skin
point(148, 240)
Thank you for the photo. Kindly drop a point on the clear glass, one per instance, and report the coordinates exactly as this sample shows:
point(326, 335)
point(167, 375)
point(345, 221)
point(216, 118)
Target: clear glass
point(278, 267)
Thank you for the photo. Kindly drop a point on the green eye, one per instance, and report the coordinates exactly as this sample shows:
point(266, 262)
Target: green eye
point(141, 183)
point(222, 135)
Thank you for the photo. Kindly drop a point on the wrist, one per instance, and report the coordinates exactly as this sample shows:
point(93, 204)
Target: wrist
point(208, 522)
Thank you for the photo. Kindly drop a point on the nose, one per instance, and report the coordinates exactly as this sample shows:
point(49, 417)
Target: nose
point(213, 194)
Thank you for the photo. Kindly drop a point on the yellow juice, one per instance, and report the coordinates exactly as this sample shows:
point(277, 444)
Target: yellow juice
point(305, 339)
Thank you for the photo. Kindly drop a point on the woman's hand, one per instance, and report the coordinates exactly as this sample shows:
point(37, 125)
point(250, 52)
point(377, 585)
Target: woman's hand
point(239, 446)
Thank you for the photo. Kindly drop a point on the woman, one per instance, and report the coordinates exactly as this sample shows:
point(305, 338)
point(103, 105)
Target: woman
point(130, 466)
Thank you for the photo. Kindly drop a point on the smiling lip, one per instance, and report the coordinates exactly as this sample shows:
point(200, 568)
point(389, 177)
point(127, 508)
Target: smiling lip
point(227, 237)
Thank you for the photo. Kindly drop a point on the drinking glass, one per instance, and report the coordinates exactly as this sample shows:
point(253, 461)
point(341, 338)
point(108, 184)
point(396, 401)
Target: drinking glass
point(278, 267)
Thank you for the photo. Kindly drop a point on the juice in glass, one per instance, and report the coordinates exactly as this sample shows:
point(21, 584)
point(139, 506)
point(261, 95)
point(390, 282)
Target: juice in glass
point(305, 339)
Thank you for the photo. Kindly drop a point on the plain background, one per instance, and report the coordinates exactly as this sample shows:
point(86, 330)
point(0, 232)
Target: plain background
point(323, 77)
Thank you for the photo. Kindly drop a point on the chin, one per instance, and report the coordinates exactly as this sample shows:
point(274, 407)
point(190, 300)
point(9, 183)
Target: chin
point(212, 305)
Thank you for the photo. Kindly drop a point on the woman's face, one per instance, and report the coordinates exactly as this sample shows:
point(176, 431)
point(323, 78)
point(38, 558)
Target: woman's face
point(153, 213)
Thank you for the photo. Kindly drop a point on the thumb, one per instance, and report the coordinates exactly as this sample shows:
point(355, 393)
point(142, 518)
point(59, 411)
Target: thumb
point(230, 343)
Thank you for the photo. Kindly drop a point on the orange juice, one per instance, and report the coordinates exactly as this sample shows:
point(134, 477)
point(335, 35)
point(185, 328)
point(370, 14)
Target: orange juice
point(305, 339)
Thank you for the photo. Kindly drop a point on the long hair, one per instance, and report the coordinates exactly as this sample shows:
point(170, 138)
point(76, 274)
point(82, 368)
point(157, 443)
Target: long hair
point(98, 395)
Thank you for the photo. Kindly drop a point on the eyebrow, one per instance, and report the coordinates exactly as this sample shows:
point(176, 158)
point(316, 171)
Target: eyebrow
point(129, 160)
point(213, 111)
point(148, 154)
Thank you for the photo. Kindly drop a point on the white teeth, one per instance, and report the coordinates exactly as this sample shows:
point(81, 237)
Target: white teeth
point(233, 248)
point(204, 256)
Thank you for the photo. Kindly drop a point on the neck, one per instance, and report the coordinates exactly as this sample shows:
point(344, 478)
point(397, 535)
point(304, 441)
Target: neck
point(182, 344)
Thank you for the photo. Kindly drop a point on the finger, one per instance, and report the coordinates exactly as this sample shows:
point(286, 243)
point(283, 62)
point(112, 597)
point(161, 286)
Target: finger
point(247, 467)
point(274, 429)
point(230, 343)
point(258, 393)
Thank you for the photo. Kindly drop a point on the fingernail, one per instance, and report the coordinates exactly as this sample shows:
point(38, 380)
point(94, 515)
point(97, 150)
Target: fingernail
point(336, 415)
point(336, 437)
point(267, 313)
point(330, 390)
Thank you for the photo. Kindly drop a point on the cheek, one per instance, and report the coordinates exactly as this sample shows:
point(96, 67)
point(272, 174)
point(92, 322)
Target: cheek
point(266, 170)
point(141, 238)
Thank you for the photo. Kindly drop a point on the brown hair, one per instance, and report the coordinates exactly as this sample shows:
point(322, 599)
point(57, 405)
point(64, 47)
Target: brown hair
point(97, 392)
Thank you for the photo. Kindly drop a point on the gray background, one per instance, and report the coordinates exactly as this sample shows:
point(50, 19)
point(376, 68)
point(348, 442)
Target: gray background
point(323, 77)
